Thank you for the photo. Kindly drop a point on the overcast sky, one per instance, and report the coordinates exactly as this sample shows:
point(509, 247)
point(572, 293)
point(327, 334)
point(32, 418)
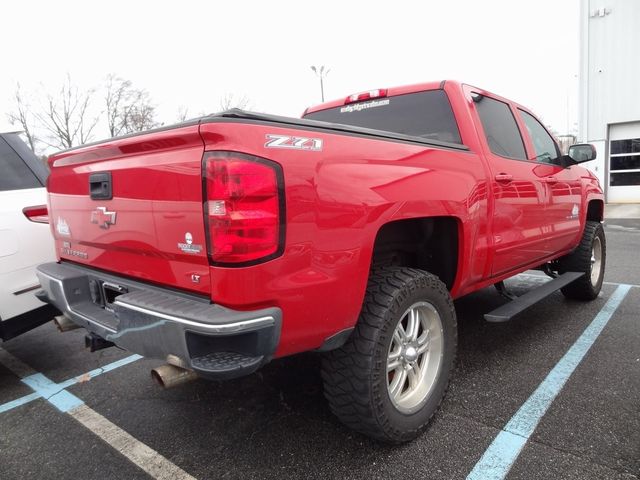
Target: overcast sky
point(192, 53)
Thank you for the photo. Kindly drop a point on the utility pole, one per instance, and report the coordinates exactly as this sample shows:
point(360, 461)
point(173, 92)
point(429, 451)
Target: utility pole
point(321, 73)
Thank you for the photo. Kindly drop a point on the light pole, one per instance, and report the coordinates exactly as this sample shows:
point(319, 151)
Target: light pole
point(320, 72)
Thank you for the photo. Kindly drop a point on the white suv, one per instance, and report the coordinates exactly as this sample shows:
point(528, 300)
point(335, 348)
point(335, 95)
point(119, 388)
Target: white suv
point(25, 238)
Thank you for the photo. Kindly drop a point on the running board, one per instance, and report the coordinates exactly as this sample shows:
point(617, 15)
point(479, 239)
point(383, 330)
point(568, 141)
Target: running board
point(509, 310)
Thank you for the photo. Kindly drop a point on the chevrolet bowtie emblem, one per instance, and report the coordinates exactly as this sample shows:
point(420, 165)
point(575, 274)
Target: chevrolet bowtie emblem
point(103, 218)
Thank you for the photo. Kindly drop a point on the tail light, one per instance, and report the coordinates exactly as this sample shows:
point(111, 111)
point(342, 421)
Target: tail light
point(244, 208)
point(38, 213)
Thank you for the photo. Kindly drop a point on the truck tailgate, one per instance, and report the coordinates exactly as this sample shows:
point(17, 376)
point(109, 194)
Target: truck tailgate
point(134, 206)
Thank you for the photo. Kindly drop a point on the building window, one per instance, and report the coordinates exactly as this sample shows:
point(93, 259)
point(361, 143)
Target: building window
point(631, 145)
point(625, 179)
point(624, 162)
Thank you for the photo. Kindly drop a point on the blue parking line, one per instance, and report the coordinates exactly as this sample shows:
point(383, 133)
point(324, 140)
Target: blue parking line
point(52, 392)
point(118, 364)
point(100, 370)
point(498, 459)
point(18, 402)
point(55, 393)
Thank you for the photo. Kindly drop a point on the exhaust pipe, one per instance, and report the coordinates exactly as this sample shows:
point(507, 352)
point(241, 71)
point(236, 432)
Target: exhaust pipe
point(168, 376)
point(64, 323)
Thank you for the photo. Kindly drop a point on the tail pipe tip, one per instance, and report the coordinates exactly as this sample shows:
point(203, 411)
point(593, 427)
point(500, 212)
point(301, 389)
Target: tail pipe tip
point(169, 376)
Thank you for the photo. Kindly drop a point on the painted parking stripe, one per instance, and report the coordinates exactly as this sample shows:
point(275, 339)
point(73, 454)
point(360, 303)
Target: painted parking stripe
point(543, 276)
point(52, 392)
point(137, 452)
point(100, 370)
point(5, 407)
point(45, 388)
point(134, 450)
point(498, 459)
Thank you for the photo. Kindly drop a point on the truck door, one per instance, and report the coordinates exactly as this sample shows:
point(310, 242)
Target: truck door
point(518, 192)
point(564, 188)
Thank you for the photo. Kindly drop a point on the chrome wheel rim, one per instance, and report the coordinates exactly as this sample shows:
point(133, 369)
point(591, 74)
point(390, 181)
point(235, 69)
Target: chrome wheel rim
point(414, 359)
point(596, 261)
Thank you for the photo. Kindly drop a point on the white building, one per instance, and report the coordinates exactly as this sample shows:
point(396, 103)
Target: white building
point(609, 115)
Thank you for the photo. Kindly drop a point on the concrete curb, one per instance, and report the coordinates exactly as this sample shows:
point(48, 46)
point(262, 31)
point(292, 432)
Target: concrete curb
point(621, 211)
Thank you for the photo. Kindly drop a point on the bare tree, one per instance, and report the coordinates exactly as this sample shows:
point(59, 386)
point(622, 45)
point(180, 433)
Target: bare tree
point(128, 109)
point(183, 113)
point(117, 96)
point(140, 114)
point(23, 117)
point(66, 117)
point(229, 100)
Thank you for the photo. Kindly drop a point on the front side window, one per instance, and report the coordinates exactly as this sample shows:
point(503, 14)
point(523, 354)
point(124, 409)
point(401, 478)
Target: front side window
point(500, 128)
point(546, 151)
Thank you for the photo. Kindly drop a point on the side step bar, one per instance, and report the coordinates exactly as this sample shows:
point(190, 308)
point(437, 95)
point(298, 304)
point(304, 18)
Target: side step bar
point(509, 310)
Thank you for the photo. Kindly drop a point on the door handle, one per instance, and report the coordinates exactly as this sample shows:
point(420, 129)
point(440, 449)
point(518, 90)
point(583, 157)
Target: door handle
point(551, 180)
point(504, 177)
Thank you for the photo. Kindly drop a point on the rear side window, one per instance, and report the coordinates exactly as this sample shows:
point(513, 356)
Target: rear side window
point(423, 114)
point(14, 173)
point(500, 128)
point(546, 151)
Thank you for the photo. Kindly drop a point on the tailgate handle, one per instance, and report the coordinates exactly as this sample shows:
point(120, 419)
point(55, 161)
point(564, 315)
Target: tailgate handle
point(100, 186)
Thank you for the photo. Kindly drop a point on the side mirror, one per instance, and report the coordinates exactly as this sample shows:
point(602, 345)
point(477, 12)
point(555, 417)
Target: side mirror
point(582, 152)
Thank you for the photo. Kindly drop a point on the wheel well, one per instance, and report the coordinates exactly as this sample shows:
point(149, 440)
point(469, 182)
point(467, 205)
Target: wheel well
point(595, 211)
point(429, 244)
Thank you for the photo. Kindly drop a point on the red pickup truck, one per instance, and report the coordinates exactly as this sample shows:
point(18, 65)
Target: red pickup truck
point(222, 243)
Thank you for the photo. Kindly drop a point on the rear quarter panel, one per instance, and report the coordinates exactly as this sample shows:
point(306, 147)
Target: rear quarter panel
point(337, 199)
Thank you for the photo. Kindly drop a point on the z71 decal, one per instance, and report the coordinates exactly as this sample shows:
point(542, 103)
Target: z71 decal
point(299, 143)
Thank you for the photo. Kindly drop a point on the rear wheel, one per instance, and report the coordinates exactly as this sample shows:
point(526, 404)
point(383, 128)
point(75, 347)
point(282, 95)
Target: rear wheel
point(590, 258)
point(388, 380)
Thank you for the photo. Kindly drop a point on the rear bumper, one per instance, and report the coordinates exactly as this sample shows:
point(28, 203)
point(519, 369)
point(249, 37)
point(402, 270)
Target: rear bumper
point(217, 342)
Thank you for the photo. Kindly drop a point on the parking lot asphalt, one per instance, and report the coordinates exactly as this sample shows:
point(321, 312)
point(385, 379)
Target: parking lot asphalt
point(276, 424)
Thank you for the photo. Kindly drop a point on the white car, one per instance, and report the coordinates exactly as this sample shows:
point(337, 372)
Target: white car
point(25, 238)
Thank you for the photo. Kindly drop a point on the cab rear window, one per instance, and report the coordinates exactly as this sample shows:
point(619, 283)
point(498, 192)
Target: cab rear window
point(424, 114)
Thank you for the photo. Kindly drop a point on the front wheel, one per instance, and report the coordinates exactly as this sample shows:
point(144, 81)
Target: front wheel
point(388, 380)
point(590, 258)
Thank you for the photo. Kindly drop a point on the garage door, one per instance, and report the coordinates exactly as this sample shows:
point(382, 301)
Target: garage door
point(624, 163)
